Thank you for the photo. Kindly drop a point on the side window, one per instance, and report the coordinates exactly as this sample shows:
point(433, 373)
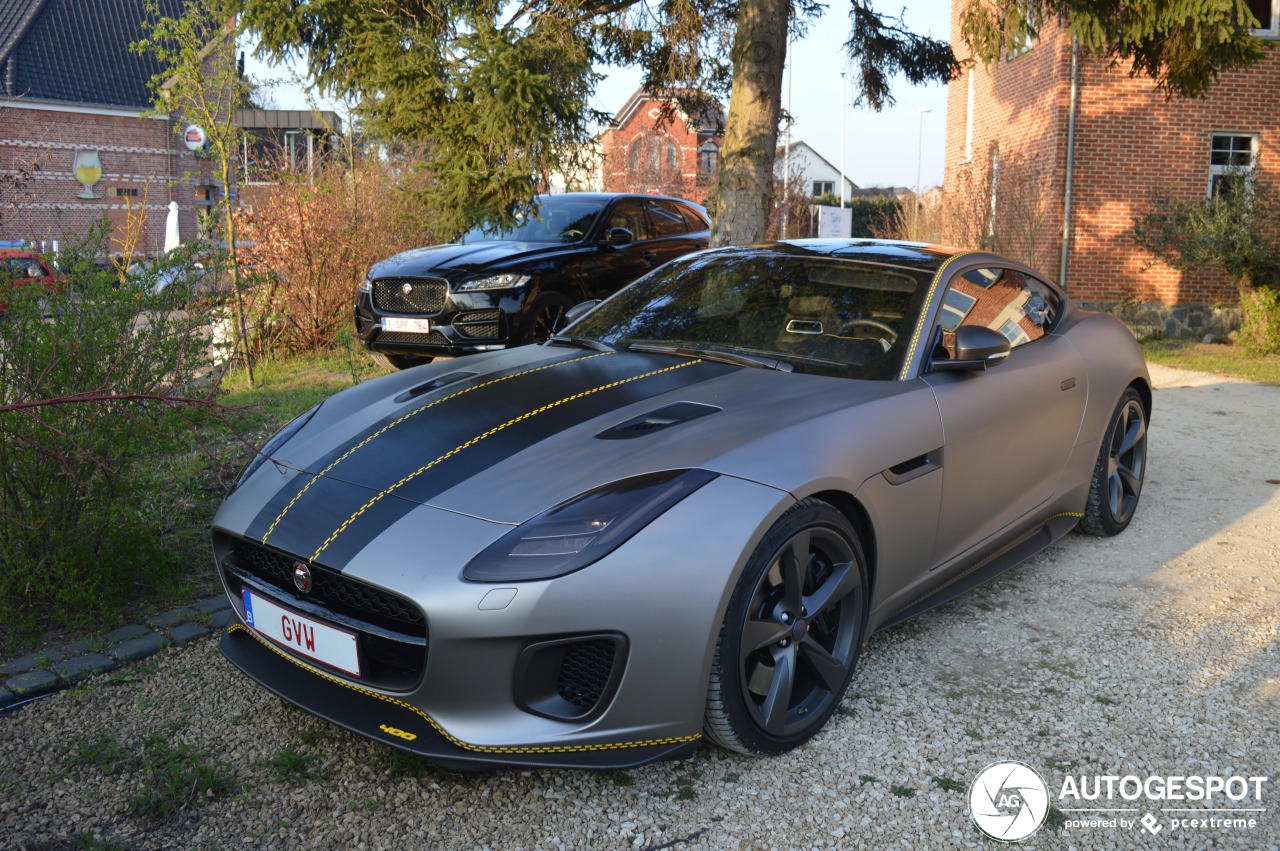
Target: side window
point(629, 214)
point(667, 219)
point(1017, 305)
point(695, 220)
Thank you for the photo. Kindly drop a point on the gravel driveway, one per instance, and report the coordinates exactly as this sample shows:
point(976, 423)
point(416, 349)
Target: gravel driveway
point(1154, 653)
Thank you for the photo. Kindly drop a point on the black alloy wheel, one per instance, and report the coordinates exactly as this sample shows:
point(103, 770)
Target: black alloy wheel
point(1119, 472)
point(545, 317)
point(791, 636)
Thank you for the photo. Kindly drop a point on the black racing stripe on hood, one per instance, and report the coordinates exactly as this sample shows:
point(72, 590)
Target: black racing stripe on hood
point(377, 457)
point(442, 451)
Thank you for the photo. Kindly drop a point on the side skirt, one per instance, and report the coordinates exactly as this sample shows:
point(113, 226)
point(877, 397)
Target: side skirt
point(1010, 555)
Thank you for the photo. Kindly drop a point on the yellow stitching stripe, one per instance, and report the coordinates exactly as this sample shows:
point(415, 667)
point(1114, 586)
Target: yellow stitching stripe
point(453, 740)
point(933, 287)
point(414, 413)
point(473, 441)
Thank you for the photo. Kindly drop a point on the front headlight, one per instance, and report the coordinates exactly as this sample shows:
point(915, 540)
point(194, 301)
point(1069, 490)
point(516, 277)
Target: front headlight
point(274, 443)
point(493, 282)
point(583, 530)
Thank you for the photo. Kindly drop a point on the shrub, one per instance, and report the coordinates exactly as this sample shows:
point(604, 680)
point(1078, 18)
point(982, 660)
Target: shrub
point(311, 241)
point(1260, 322)
point(93, 379)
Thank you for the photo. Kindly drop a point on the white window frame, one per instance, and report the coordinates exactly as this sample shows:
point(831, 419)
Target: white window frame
point(830, 190)
point(1272, 31)
point(968, 122)
point(1216, 171)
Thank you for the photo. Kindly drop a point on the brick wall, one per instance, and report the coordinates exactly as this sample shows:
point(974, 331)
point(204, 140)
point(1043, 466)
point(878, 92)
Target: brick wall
point(1131, 144)
point(683, 181)
point(137, 154)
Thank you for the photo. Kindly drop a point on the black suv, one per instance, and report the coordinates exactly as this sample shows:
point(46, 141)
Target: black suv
point(500, 288)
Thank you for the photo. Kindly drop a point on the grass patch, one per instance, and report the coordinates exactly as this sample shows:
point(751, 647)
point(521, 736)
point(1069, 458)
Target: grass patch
point(948, 784)
point(290, 766)
point(1104, 700)
point(1055, 819)
point(173, 776)
point(1213, 358)
point(867, 778)
point(902, 791)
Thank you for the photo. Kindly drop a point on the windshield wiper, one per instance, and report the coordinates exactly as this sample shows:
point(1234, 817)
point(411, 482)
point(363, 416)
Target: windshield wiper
point(713, 354)
point(581, 343)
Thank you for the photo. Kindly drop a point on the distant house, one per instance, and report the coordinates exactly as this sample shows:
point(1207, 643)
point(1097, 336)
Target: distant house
point(72, 94)
point(1051, 154)
point(642, 152)
point(811, 172)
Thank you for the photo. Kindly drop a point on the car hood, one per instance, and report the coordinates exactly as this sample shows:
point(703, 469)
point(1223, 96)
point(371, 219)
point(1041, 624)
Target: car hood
point(452, 259)
point(509, 435)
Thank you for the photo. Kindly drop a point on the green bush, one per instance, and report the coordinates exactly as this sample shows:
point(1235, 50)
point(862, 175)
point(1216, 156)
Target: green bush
point(96, 379)
point(1260, 322)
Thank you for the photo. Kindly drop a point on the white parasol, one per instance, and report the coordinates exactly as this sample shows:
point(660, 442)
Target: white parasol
point(171, 238)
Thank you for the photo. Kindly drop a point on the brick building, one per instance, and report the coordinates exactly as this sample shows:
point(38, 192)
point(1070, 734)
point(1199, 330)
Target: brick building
point(72, 92)
point(642, 153)
point(1053, 134)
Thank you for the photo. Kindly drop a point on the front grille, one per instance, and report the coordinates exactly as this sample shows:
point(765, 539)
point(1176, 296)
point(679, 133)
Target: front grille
point(426, 295)
point(391, 631)
point(478, 324)
point(585, 670)
point(333, 590)
point(435, 338)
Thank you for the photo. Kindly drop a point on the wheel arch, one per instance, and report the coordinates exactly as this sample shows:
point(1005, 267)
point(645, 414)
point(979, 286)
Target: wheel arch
point(853, 510)
point(1144, 390)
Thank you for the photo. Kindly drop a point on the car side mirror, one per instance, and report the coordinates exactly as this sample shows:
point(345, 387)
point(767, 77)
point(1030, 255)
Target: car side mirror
point(580, 310)
point(977, 348)
point(618, 237)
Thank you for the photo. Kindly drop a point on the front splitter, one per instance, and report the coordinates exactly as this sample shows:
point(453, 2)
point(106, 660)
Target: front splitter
point(394, 722)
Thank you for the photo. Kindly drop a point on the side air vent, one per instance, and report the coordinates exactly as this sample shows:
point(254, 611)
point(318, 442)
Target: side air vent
point(680, 412)
point(913, 468)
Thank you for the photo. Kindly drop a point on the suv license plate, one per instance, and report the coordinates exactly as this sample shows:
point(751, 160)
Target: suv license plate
point(409, 326)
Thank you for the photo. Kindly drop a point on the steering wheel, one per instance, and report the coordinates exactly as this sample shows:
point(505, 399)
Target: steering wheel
point(886, 334)
point(571, 234)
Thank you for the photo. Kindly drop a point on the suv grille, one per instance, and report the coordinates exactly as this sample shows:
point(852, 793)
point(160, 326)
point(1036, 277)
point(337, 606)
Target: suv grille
point(426, 295)
point(478, 324)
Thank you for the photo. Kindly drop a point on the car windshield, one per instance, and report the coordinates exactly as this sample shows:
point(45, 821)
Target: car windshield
point(557, 218)
point(820, 314)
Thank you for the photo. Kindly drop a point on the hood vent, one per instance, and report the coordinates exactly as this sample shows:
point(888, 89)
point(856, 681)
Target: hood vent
point(434, 384)
point(657, 420)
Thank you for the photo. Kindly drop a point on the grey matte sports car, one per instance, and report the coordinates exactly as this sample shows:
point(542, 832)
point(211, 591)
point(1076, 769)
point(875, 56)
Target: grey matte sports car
point(683, 516)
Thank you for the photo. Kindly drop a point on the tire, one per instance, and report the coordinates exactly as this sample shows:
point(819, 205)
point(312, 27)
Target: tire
point(399, 361)
point(778, 674)
point(1118, 475)
point(544, 317)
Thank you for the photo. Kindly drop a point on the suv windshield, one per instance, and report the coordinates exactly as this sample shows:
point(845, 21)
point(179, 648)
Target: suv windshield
point(557, 218)
point(820, 314)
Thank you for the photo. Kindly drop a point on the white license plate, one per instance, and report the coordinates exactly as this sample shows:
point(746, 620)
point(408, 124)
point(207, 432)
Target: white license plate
point(411, 326)
point(334, 647)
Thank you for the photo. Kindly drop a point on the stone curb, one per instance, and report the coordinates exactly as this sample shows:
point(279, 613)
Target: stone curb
point(47, 671)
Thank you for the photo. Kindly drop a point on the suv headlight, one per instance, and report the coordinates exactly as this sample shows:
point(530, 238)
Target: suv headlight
point(584, 529)
point(505, 281)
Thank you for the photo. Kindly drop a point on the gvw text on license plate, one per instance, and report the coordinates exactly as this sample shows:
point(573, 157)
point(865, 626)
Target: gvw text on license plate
point(301, 634)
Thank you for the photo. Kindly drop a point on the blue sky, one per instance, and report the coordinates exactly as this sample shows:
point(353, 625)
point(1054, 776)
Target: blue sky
point(880, 148)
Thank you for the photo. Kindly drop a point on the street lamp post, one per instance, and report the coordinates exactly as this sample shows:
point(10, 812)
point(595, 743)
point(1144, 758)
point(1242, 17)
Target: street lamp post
point(842, 140)
point(915, 224)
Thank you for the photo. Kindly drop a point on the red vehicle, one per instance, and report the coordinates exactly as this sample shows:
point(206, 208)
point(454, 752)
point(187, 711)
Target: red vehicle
point(21, 267)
